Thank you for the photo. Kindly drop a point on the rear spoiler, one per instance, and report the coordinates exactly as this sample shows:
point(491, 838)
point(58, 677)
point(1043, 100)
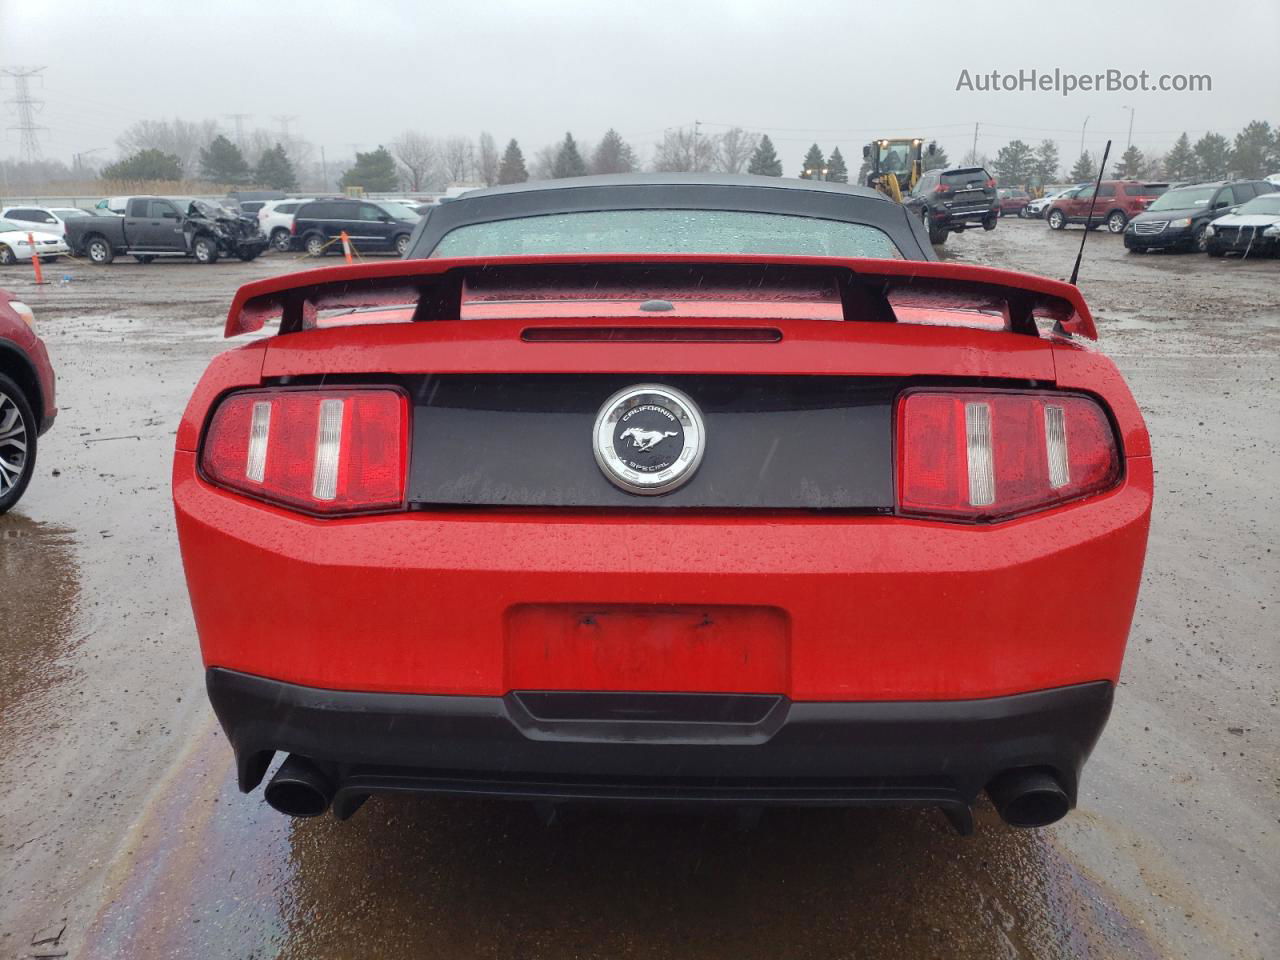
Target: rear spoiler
point(868, 288)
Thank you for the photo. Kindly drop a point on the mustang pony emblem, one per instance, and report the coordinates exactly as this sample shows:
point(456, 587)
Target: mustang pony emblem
point(644, 439)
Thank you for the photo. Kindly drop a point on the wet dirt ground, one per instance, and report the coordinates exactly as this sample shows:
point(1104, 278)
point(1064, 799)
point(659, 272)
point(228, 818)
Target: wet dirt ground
point(122, 833)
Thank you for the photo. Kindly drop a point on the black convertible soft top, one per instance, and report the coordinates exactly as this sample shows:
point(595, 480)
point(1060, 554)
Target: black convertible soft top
point(677, 191)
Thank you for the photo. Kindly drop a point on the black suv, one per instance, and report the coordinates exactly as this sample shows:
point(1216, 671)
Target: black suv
point(948, 201)
point(370, 225)
point(1177, 218)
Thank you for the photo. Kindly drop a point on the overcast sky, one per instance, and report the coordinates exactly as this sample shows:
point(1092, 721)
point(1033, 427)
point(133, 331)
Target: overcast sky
point(361, 72)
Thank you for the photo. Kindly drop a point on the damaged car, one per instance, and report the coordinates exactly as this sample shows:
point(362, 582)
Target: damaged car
point(165, 227)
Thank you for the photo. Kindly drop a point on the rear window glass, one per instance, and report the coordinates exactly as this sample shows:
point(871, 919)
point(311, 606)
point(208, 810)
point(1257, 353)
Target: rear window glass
point(328, 211)
point(1184, 199)
point(286, 207)
point(668, 231)
point(975, 177)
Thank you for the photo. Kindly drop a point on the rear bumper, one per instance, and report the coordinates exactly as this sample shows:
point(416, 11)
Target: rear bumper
point(699, 749)
point(963, 218)
point(822, 606)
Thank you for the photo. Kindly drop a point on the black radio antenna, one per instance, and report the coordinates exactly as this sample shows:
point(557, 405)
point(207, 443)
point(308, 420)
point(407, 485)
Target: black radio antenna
point(1088, 226)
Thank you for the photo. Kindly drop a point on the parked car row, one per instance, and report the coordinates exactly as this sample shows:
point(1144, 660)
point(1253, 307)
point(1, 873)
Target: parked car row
point(1166, 216)
point(315, 224)
point(147, 227)
point(1188, 218)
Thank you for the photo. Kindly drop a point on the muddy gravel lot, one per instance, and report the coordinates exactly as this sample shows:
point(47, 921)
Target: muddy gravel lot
point(122, 833)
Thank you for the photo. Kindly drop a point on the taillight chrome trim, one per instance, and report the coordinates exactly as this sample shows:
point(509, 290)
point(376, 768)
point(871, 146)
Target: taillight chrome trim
point(1055, 442)
point(255, 468)
point(324, 477)
point(978, 450)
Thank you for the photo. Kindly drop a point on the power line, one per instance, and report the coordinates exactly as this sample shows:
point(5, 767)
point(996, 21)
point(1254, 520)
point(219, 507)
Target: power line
point(26, 107)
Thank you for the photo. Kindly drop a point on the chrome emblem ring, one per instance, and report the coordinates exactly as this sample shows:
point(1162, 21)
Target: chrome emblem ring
point(649, 438)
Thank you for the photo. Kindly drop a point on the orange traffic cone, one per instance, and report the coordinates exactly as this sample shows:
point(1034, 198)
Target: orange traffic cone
point(35, 258)
point(346, 246)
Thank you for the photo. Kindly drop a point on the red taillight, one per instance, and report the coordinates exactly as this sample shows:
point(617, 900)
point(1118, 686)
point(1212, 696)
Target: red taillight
point(985, 455)
point(293, 226)
point(322, 451)
point(941, 188)
point(991, 184)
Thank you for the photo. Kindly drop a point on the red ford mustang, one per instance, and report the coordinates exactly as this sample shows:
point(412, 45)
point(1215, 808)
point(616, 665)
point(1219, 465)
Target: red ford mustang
point(584, 502)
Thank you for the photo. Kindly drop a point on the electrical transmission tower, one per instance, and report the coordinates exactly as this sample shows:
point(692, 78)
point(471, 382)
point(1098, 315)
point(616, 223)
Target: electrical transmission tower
point(284, 120)
point(26, 107)
point(239, 119)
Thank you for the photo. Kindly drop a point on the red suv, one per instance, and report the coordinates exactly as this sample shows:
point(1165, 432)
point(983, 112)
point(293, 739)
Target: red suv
point(1013, 200)
point(1119, 201)
point(27, 404)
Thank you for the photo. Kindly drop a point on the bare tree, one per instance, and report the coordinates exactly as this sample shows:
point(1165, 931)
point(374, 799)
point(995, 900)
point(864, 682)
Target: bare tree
point(418, 156)
point(544, 162)
point(257, 142)
point(684, 150)
point(458, 158)
point(734, 148)
point(487, 160)
point(183, 138)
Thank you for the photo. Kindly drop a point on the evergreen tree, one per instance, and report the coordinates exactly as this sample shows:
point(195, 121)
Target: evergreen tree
point(1131, 164)
point(1213, 156)
point(1180, 162)
point(613, 154)
point(1254, 147)
point(928, 161)
point(814, 161)
point(1045, 166)
point(375, 171)
point(1014, 164)
point(275, 171)
point(1084, 169)
point(145, 165)
point(764, 161)
point(222, 162)
point(512, 169)
point(569, 161)
point(837, 172)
